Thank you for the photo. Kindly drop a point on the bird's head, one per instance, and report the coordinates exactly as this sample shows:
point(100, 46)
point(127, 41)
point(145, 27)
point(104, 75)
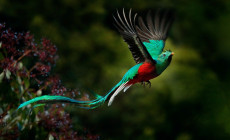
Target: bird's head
point(163, 61)
point(166, 56)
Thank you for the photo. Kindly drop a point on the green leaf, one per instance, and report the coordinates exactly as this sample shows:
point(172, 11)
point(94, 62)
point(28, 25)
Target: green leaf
point(21, 89)
point(1, 76)
point(39, 92)
point(20, 65)
point(1, 56)
point(8, 73)
point(51, 137)
point(1, 111)
point(27, 83)
point(19, 79)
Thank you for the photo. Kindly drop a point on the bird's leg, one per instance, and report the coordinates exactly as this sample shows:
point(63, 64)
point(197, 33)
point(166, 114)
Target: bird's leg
point(143, 83)
point(149, 83)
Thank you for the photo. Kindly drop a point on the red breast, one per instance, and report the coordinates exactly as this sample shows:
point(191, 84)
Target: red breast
point(146, 72)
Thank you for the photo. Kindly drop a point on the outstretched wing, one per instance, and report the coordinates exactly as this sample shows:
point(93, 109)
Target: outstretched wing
point(126, 27)
point(155, 33)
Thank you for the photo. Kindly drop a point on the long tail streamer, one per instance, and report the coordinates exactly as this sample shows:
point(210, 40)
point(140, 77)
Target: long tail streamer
point(42, 100)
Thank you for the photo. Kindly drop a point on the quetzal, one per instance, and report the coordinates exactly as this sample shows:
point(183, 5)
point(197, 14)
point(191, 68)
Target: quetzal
point(146, 43)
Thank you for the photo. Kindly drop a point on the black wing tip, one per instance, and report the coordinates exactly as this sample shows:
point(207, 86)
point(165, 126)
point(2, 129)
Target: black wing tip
point(158, 22)
point(125, 22)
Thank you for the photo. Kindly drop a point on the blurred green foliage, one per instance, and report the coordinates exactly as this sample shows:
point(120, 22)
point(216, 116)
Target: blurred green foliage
point(190, 100)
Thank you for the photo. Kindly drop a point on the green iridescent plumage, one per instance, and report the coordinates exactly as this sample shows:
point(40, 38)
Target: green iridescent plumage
point(83, 104)
point(146, 43)
point(163, 61)
point(154, 47)
point(131, 73)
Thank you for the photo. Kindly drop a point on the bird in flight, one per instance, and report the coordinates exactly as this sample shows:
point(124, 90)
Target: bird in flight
point(146, 41)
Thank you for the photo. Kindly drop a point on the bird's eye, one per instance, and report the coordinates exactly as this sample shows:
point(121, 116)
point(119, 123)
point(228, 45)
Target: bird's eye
point(163, 55)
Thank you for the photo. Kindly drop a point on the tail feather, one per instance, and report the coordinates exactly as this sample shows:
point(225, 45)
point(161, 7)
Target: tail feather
point(121, 87)
point(42, 100)
point(127, 87)
point(50, 99)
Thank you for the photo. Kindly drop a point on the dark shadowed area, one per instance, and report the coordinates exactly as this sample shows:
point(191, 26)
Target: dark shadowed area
point(188, 101)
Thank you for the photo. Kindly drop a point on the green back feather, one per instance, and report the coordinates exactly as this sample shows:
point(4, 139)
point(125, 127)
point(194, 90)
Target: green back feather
point(155, 48)
point(131, 73)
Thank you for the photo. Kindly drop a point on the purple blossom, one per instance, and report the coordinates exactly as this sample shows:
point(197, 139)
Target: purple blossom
point(15, 47)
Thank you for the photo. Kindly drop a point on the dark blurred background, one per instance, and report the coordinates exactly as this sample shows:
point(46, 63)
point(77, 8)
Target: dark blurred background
point(189, 101)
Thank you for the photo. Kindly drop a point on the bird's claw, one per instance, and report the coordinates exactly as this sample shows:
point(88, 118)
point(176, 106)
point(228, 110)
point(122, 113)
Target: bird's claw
point(148, 83)
point(143, 83)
